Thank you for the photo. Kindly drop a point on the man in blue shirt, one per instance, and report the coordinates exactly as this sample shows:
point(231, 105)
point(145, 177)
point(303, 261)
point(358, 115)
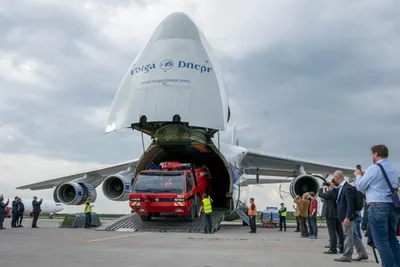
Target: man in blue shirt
point(382, 216)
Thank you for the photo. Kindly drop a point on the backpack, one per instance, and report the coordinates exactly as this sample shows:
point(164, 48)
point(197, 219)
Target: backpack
point(359, 200)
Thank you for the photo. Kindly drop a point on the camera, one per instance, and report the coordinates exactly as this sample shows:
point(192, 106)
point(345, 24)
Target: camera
point(326, 184)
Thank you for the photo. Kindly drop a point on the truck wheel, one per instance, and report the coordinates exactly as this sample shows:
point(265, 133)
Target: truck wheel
point(197, 207)
point(190, 217)
point(146, 218)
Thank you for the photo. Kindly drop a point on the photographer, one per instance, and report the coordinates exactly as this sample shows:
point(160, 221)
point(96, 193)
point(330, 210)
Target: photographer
point(329, 194)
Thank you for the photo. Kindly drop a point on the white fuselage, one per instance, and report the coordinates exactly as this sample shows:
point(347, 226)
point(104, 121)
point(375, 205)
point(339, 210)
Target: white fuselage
point(47, 207)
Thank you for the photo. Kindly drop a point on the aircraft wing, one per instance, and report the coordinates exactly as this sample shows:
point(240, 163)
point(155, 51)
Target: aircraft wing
point(95, 176)
point(276, 165)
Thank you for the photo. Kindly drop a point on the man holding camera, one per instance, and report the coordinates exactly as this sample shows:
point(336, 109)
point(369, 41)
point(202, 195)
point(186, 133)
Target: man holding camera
point(329, 193)
point(382, 215)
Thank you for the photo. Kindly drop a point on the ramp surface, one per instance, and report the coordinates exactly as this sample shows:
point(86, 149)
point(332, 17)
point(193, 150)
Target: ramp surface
point(132, 222)
point(78, 220)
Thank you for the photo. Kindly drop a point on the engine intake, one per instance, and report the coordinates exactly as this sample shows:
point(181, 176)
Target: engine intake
point(76, 193)
point(117, 187)
point(303, 184)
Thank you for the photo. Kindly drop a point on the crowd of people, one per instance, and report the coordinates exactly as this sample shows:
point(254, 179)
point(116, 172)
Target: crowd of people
point(377, 186)
point(17, 211)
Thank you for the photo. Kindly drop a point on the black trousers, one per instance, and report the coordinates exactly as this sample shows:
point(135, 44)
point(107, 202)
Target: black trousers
point(298, 225)
point(14, 219)
point(21, 216)
point(252, 221)
point(35, 218)
point(335, 230)
point(1, 220)
point(282, 220)
point(88, 219)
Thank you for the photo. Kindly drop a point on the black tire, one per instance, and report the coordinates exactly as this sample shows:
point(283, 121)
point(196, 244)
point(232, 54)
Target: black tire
point(190, 217)
point(146, 218)
point(197, 209)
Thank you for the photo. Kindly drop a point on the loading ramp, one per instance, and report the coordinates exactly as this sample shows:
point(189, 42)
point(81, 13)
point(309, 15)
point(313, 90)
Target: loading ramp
point(132, 222)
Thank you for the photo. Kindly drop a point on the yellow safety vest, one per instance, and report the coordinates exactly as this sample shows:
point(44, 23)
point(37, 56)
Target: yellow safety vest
point(283, 214)
point(207, 205)
point(88, 208)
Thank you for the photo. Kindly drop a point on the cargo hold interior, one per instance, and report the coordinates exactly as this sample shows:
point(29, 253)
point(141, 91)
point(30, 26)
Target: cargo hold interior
point(220, 176)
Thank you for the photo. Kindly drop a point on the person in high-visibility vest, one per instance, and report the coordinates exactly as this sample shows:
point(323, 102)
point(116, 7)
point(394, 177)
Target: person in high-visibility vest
point(252, 212)
point(88, 214)
point(282, 217)
point(206, 205)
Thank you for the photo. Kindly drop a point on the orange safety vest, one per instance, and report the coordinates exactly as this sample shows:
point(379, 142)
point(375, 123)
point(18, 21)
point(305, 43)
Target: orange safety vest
point(252, 212)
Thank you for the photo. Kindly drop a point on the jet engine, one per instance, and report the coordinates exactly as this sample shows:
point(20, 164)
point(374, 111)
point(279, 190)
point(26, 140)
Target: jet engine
point(304, 183)
point(116, 187)
point(75, 193)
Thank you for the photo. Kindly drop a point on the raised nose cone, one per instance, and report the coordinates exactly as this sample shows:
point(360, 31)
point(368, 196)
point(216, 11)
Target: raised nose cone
point(178, 25)
point(176, 73)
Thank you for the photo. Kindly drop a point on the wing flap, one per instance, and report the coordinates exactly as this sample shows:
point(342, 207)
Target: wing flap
point(277, 165)
point(95, 176)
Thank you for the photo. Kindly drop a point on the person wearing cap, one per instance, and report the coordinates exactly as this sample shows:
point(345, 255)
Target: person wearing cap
point(2, 210)
point(88, 214)
point(36, 210)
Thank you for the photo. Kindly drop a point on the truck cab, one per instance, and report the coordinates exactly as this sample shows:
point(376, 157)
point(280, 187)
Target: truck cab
point(171, 188)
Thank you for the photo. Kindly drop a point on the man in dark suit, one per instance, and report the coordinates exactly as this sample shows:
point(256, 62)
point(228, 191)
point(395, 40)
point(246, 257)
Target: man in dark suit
point(346, 214)
point(36, 211)
point(334, 225)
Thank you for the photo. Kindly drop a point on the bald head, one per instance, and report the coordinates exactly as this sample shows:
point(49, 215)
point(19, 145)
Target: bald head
point(338, 176)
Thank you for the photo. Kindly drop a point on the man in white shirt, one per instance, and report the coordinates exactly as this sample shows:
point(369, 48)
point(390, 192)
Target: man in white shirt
point(382, 216)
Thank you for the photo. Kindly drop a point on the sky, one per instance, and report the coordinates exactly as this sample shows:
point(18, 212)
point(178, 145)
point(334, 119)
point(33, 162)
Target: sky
point(316, 80)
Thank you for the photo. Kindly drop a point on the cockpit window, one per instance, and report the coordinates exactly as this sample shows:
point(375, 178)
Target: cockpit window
point(159, 182)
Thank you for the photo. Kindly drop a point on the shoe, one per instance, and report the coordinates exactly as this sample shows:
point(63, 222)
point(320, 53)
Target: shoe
point(360, 258)
point(330, 252)
point(341, 260)
point(327, 246)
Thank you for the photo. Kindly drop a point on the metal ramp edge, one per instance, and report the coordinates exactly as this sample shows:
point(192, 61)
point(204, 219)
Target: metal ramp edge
point(132, 222)
point(243, 216)
point(113, 222)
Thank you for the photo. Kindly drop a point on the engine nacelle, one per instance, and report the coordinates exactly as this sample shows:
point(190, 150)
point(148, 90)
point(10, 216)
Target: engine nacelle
point(117, 187)
point(304, 183)
point(75, 193)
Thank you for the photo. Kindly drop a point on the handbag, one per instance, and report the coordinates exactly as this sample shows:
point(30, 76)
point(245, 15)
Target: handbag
point(395, 196)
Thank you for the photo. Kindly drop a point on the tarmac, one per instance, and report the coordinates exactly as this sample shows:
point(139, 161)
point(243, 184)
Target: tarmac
point(232, 245)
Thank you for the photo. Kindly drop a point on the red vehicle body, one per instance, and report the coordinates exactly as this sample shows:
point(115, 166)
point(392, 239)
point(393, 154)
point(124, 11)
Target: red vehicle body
point(173, 188)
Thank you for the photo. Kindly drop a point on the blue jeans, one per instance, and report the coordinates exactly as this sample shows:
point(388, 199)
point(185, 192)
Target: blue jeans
point(207, 223)
point(382, 221)
point(357, 227)
point(310, 230)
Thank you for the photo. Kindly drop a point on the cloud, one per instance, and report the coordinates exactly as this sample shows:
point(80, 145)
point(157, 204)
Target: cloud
point(318, 81)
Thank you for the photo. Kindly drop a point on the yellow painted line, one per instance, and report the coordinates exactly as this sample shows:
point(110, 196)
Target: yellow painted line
point(116, 237)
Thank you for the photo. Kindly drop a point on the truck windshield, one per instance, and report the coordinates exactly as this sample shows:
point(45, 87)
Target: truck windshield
point(159, 182)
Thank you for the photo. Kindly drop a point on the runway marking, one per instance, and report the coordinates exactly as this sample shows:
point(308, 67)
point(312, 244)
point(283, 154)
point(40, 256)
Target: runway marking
point(116, 237)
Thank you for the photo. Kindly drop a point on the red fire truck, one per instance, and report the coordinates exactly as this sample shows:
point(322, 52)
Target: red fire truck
point(171, 188)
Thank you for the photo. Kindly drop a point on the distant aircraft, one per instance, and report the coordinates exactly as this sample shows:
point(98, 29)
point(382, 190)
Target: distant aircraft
point(174, 92)
point(48, 207)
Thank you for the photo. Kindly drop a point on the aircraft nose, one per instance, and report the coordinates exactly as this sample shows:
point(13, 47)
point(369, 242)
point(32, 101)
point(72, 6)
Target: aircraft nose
point(178, 25)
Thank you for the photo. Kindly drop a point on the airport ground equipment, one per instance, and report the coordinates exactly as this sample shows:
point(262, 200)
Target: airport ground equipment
point(133, 222)
point(169, 188)
point(77, 220)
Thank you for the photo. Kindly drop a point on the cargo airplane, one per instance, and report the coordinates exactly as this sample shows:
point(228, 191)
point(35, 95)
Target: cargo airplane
point(174, 92)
